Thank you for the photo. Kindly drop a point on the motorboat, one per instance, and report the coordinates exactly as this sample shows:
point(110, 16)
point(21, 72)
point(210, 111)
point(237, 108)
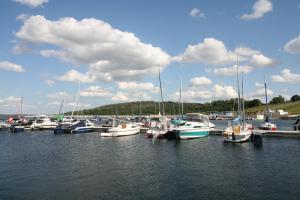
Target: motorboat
point(196, 126)
point(16, 126)
point(81, 126)
point(43, 122)
point(4, 126)
point(122, 129)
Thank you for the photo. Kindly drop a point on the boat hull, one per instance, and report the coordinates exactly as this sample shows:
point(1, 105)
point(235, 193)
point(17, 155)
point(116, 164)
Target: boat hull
point(81, 130)
point(237, 138)
point(119, 132)
point(16, 129)
point(191, 134)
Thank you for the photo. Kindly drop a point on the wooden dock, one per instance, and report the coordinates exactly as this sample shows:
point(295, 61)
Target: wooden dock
point(278, 133)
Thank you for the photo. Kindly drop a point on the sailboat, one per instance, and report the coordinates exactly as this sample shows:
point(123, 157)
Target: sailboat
point(238, 131)
point(267, 125)
point(17, 124)
point(159, 128)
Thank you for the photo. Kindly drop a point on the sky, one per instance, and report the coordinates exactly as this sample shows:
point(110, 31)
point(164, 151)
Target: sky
point(104, 52)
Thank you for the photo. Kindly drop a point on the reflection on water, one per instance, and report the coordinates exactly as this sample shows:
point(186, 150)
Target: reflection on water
point(40, 165)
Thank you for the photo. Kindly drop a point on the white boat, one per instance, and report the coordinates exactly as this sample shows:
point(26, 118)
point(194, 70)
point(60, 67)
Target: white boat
point(4, 126)
point(267, 125)
point(123, 129)
point(43, 122)
point(238, 130)
point(237, 133)
point(196, 126)
point(158, 127)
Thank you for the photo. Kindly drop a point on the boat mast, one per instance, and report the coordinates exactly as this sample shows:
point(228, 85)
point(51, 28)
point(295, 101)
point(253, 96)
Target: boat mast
point(76, 99)
point(266, 95)
point(243, 102)
point(238, 87)
point(161, 94)
point(21, 107)
point(62, 102)
point(181, 96)
point(140, 107)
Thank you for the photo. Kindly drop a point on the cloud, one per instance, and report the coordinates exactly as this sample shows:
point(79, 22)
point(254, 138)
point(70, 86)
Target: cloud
point(75, 76)
point(116, 54)
point(260, 8)
point(138, 86)
point(245, 51)
point(9, 66)
point(49, 82)
point(195, 12)
point(259, 92)
point(121, 96)
point(210, 51)
point(200, 81)
point(224, 92)
point(59, 95)
point(95, 91)
point(293, 46)
point(194, 94)
point(10, 101)
point(231, 71)
point(22, 17)
point(259, 60)
point(286, 77)
point(32, 3)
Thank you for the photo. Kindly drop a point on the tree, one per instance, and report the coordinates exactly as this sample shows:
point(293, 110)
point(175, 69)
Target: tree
point(295, 98)
point(277, 100)
point(253, 103)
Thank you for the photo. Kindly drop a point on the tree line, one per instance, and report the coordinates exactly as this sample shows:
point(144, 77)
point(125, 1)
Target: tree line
point(174, 108)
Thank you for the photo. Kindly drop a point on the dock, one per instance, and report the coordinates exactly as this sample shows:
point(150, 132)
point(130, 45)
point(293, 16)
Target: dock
point(278, 133)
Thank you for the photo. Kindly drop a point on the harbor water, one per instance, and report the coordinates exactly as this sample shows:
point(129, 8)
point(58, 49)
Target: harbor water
point(41, 165)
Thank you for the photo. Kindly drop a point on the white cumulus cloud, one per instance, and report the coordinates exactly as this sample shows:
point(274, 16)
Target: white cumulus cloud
point(246, 51)
point(293, 46)
point(259, 92)
point(286, 77)
point(210, 51)
point(200, 81)
point(75, 76)
point(195, 12)
point(259, 60)
point(95, 91)
point(231, 71)
point(260, 8)
point(137, 86)
point(9, 66)
point(116, 54)
point(32, 3)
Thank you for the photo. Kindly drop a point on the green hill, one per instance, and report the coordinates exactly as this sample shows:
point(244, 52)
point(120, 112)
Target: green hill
point(291, 107)
point(171, 108)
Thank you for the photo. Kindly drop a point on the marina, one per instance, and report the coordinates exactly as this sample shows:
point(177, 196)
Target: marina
point(149, 100)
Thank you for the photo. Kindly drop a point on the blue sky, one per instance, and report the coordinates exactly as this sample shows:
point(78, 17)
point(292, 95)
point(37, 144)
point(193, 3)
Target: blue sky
point(115, 48)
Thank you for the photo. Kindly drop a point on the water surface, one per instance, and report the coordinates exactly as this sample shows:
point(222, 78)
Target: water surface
point(40, 165)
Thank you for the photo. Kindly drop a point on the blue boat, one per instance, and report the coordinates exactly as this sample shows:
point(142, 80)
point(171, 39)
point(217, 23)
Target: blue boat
point(81, 126)
point(16, 128)
point(196, 126)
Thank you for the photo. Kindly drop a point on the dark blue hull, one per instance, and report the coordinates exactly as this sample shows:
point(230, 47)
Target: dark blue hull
point(15, 129)
point(81, 130)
